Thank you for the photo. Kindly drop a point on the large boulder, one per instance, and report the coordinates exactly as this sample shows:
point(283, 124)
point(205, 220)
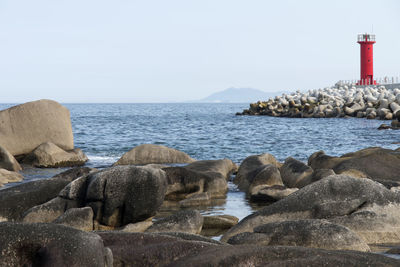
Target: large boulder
point(149, 153)
point(7, 161)
point(251, 255)
point(125, 194)
point(9, 177)
point(118, 196)
point(187, 221)
point(375, 163)
point(340, 199)
point(49, 155)
point(50, 245)
point(294, 172)
point(199, 182)
point(253, 165)
point(151, 249)
point(16, 200)
point(304, 233)
point(78, 218)
point(26, 126)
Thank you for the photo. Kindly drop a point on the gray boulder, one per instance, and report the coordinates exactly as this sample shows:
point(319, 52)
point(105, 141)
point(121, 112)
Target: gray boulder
point(138, 227)
point(49, 155)
point(266, 194)
point(294, 172)
point(152, 249)
point(16, 200)
point(305, 233)
point(199, 182)
point(251, 166)
point(9, 177)
point(341, 199)
point(148, 153)
point(218, 224)
point(248, 255)
point(374, 163)
point(50, 245)
point(7, 161)
point(187, 221)
point(26, 126)
point(125, 194)
point(78, 218)
point(315, 176)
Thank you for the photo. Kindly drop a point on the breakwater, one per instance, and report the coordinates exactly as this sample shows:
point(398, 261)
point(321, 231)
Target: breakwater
point(371, 102)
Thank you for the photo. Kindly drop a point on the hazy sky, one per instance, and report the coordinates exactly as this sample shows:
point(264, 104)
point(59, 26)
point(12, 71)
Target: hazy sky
point(146, 51)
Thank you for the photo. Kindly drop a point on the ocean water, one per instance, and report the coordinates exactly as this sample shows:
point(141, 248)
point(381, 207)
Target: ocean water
point(212, 131)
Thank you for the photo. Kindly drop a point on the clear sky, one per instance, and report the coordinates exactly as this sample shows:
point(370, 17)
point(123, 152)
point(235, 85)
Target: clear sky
point(176, 50)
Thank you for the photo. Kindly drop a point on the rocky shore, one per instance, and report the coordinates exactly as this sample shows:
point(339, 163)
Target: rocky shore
point(375, 102)
point(330, 211)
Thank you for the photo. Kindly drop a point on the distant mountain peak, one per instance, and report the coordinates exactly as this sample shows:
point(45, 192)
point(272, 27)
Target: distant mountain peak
point(239, 95)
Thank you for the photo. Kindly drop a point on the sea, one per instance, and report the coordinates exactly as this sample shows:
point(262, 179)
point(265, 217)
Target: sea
point(211, 131)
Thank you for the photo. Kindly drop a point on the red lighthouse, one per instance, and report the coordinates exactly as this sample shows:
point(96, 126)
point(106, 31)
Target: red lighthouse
point(366, 42)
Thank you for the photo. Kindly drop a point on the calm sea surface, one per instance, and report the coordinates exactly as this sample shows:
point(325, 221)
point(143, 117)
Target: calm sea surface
point(212, 131)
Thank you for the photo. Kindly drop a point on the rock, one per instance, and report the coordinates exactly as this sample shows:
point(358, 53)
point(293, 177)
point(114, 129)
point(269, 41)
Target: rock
point(138, 227)
point(315, 176)
point(49, 155)
point(294, 171)
point(268, 194)
point(250, 168)
point(248, 255)
point(341, 199)
point(196, 199)
point(14, 201)
point(219, 222)
point(148, 153)
point(223, 167)
point(305, 233)
point(199, 181)
point(78, 218)
point(9, 177)
point(8, 162)
point(25, 127)
point(384, 127)
point(187, 221)
point(126, 194)
point(50, 245)
point(49, 211)
point(150, 249)
point(375, 163)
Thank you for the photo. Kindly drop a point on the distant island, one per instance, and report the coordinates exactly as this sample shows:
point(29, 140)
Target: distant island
point(238, 95)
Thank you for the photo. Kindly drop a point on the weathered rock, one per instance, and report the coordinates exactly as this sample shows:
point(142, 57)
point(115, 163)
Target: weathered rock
point(342, 200)
point(219, 221)
point(196, 199)
point(187, 221)
point(25, 127)
point(78, 218)
point(247, 255)
point(7, 161)
point(49, 211)
point(316, 176)
point(201, 180)
point(268, 194)
point(222, 167)
point(14, 201)
point(49, 155)
point(251, 166)
point(150, 249)
point(9, 177)
point(50, 245)
point(138, 227)
point(304, 233)
point(148, 153)
point(294, 171)
point(375, 163)
point(126, 194)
